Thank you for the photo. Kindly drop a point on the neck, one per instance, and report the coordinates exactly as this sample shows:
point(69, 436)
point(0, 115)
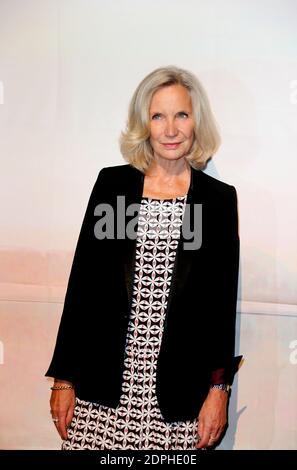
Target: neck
point(168, 169)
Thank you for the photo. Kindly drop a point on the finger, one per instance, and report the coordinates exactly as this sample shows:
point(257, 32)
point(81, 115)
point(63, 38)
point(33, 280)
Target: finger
point(199, 438)
point(211, 441)
point(69, 416)
point(60, 423)
point(217, 434)
point(204, 438)
point(62, 427)
point(202, 443)
point(200, 429)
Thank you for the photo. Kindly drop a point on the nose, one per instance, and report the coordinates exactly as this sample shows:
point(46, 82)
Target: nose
point(171, 129)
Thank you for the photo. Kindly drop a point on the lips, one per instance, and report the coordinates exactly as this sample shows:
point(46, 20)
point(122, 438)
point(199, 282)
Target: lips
point(172, 145)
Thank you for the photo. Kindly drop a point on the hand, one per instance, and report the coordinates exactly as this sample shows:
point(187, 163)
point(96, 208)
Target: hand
point(212, 418)
point(62, 403)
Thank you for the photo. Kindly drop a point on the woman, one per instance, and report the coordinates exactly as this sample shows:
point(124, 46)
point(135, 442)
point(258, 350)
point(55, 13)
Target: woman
point(144, 356)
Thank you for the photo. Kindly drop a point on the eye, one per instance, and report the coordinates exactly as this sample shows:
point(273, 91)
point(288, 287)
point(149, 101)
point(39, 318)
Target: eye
point(156, 116)
point(182, 114)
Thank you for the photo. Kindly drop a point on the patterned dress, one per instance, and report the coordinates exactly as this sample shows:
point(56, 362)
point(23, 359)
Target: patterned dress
point(137, 422)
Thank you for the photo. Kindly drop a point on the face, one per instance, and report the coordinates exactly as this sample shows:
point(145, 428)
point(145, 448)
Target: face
point(171, 122)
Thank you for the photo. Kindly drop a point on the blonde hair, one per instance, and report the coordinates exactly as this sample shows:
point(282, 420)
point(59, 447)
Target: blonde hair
point(134, 141)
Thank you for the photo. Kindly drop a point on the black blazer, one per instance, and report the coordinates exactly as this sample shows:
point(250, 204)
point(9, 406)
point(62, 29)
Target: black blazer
point(199, 332)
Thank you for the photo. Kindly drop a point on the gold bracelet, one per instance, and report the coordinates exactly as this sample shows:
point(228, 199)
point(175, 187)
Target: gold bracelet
point(62, 387)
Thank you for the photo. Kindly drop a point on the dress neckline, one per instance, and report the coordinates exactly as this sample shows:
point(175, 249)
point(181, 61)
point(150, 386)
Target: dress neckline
point(148, 198)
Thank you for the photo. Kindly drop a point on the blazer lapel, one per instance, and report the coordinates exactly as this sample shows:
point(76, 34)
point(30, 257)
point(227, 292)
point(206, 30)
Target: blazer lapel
point(133, 195)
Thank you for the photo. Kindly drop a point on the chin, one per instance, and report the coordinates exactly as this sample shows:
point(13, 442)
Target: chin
point(172, 154)
point(175, 156)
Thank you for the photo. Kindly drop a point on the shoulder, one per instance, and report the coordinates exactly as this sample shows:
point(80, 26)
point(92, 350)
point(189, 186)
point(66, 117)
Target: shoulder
point(221, 201)
point(214, 188)
point(117, 171)
point(119, 179)
point(215, 184)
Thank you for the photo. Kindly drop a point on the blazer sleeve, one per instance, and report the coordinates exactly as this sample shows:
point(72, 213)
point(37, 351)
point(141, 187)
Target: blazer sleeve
point(66, 352)
point(224, 363)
